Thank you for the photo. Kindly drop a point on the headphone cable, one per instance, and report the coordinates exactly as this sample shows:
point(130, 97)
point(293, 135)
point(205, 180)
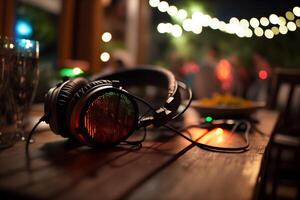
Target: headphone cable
point(43, 118)
point(240, 149)
point(206, 146)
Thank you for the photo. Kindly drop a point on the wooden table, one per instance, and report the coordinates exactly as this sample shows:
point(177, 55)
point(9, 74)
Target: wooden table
point(166, 167)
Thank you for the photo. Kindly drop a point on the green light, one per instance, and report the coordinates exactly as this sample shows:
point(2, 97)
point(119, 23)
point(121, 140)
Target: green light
point(196, 8)
point(70, 72)
point(208, 119)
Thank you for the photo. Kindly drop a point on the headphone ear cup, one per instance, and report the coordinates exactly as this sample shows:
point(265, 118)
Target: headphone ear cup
point(80, 93)
point(83, 90)
point(65, 95)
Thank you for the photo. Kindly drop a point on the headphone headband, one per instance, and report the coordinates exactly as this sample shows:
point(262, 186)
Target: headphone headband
point(146, 75)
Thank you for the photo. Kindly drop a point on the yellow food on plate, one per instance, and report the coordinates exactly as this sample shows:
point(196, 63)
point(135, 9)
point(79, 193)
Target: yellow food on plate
point(218, 100)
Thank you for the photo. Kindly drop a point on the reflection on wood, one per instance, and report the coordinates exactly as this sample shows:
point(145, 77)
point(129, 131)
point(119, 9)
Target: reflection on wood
point(167, 166)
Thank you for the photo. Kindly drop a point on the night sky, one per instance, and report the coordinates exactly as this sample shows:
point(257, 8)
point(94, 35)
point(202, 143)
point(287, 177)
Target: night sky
point(225, 9)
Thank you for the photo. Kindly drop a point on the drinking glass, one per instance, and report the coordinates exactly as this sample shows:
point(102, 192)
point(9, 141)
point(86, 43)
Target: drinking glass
point(8, 119)
point(24, 80)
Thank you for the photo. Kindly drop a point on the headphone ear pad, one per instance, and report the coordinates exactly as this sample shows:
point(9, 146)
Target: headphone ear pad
point(64, 97)
point(80, 93)
point(83, 90)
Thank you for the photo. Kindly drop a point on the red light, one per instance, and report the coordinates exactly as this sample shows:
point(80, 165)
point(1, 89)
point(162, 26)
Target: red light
point(263, 74)
point(223, 70)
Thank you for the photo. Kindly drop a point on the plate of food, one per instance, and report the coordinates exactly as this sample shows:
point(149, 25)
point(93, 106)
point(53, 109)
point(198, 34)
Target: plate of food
point(226, 106)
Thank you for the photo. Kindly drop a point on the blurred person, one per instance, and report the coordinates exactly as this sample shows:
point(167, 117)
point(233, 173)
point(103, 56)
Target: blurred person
point(205, 82)
point(188, 71)
point(176, 64)
point(240, 76)
point(184, 70)
point(262, 70)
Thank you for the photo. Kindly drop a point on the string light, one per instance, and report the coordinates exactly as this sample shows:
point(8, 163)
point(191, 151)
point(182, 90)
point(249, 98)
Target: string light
point(187, 24)
point(254, 22)
point(241, 28)
point(264, 21)
point(289, 15)
point(281, 21)
point(258, 32)
point(296, 11)
point(106, 37)
point(163, 6)
point(214, 23)
point(197, 29)
point(283, 30)
point(275, 30)
point(176, 31)
point(273, 19)
point(298, 23)
point(244, 23)
point(291, 26)
point(154, 3)
point(172, 10)
point(269, 34)
point(181, 14)
point(104, 57)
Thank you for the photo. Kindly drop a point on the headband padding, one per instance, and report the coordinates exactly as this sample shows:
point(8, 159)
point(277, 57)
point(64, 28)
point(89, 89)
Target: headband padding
point(158, 77)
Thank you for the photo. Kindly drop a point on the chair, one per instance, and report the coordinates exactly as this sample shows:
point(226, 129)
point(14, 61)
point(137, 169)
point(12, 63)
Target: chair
point(291, 78)
point(280, 172)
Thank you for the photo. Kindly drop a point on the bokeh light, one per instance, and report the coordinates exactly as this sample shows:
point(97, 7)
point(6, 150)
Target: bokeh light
point(106, 37)
point(176, 30)
point(263, 74)
point(269, 34)
point(275, 30)
point(197, 29)
point(264, 21)
point(23, 29)
point(187, 24)
point(163, 6)
point(258, 32)
point(154, 3)
point(244, 23)
point(283, 30)
point(291, 26)
point(104, 57)
point(281, 21)
point(274, 19)
point(254, 22)
point(298, 23)
point(172, 10)
point(182, 14)
point(296, 11)
point(234, 20)
point(289, 15)
point(214, 24)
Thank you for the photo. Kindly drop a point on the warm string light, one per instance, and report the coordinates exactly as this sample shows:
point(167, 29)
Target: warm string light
point(106, 37)
point(268, 27)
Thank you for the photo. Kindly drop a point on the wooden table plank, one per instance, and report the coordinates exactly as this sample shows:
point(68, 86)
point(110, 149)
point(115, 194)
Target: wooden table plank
point(62, 170)
point(201, 174)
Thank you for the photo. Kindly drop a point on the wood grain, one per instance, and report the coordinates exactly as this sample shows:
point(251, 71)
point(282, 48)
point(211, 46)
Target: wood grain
point(61, 170)
point(166, 167)
point(200, 174)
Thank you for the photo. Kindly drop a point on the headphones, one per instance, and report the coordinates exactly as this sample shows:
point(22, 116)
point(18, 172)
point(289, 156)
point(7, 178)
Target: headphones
point(100, 112)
